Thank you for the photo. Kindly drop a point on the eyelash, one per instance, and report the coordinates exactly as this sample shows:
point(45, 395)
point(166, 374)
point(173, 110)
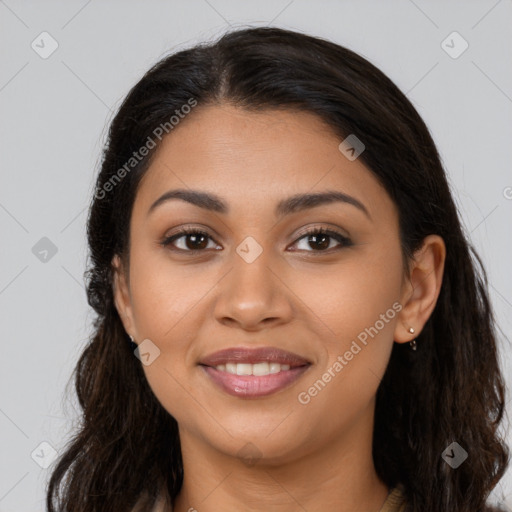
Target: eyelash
point(346, 242)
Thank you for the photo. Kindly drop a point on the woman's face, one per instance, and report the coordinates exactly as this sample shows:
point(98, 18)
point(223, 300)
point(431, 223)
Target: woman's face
point(257, 280)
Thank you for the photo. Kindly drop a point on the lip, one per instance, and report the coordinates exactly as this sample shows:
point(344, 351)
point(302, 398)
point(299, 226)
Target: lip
point(253, 356)
point(254, 386)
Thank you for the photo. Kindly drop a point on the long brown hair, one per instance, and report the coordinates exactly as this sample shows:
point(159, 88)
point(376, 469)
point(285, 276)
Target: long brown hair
point(450, 389)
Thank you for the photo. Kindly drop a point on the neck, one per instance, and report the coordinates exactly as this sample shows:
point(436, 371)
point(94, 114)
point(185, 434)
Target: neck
point(339, 476)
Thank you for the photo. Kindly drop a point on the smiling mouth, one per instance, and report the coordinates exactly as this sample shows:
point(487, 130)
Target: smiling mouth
point(253, 372)
point(257, 369)
point(246, 380)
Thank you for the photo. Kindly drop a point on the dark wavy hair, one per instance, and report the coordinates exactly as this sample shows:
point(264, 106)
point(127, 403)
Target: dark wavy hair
point(127, 449)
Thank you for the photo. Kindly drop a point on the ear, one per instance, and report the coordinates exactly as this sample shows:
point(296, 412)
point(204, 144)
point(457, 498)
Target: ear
point(122, 298)
point(421, 289)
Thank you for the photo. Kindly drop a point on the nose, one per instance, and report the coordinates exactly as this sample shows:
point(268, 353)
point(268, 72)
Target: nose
point(254, 295)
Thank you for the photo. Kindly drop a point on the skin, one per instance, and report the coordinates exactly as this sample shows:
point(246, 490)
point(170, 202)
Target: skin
point(306, 301)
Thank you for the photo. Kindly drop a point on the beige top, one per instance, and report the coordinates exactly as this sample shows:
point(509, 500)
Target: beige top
point(395, 502)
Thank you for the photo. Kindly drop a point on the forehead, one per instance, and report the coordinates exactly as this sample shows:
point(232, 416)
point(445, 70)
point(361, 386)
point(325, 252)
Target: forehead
point(260, 157)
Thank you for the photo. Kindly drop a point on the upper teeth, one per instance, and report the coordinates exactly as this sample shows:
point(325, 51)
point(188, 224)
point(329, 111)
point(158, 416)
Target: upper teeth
point(263, 368)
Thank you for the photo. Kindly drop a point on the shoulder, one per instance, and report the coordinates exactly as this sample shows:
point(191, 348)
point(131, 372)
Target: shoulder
point(395, 502)
point(161, 504)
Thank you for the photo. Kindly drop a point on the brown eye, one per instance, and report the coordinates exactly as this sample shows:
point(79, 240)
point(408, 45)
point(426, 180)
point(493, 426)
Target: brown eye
point(320, 240)
point(193, 240)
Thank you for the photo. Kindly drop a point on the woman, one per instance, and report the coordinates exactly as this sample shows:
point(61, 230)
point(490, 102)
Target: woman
point(273, 230)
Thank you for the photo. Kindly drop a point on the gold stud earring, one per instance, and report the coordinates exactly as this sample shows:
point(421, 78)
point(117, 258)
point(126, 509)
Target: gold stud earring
point(413, 342)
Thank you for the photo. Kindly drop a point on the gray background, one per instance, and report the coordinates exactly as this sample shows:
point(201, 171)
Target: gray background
point(52, 127)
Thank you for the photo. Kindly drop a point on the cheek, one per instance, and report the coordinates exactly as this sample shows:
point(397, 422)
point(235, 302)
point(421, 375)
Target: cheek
point(163, 293)
point(360, 311)
point(352, 295)
point(359, 305)
point(163, 300)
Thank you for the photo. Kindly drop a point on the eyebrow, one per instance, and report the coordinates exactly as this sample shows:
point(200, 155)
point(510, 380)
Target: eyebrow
point(284, 207)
